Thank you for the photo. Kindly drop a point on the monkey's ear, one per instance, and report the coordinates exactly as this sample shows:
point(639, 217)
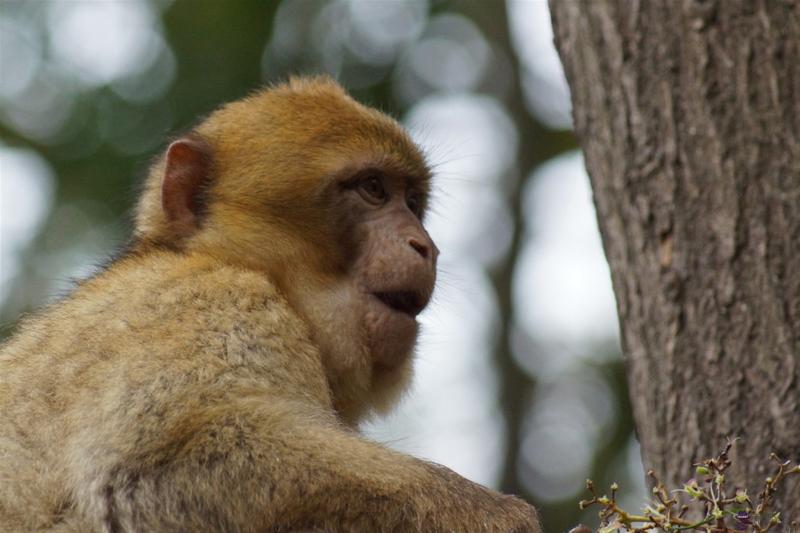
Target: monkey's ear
point(187, 169)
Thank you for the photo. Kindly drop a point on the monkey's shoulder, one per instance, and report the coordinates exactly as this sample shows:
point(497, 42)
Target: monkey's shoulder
point(148, 331)
point(163, 309)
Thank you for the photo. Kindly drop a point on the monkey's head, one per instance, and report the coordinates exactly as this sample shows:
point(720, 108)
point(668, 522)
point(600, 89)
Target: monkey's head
point(326, 197)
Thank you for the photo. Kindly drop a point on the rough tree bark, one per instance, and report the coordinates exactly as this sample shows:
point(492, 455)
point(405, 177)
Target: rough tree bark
point(689, 116)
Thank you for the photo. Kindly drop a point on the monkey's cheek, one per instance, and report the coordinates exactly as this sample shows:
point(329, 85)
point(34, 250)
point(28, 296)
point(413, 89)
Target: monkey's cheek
point(391, 336)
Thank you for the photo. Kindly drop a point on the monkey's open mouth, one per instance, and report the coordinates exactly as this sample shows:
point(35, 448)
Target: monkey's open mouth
point(408, 302)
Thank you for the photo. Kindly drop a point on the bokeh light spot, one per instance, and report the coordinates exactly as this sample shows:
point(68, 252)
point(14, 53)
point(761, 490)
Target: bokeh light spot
point(101, 41)
point(26, 194)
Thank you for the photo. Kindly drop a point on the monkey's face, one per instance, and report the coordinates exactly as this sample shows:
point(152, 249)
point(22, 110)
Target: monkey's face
point(368, 269)
point(395, 260)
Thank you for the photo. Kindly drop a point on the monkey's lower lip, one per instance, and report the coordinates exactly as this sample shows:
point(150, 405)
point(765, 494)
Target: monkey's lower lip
point(407, 302)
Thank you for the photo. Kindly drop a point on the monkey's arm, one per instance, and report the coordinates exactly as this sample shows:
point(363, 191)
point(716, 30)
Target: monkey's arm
point(251, 469)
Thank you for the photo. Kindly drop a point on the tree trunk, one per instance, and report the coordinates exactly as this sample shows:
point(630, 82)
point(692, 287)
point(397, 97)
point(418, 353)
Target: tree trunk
point(689, 116)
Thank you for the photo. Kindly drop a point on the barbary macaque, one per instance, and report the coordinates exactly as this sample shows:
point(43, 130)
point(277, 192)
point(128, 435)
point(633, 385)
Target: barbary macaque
point(213, 377)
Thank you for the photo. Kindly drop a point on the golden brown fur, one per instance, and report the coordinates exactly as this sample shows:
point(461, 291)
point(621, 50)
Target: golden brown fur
point(212, 379)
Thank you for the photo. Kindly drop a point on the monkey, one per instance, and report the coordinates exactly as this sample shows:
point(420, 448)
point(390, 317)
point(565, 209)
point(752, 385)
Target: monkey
point(213, 377)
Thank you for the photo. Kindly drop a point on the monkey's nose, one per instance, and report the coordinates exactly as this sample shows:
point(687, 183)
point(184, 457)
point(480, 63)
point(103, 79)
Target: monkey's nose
point(421, 248)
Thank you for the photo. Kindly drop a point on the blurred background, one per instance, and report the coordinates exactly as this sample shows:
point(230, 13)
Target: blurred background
point(520, 383)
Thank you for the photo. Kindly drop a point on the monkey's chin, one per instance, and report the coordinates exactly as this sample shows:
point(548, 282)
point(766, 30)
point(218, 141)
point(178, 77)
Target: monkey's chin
point(392, 334)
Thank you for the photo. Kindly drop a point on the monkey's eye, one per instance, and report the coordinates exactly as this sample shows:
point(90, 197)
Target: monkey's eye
point(414, 205)
point(372, 190)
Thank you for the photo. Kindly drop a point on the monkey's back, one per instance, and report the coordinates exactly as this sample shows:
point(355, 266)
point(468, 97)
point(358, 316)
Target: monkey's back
point(124, 360)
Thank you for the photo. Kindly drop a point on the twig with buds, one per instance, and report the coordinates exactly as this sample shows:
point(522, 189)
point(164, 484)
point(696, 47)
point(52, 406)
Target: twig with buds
point(720, 511)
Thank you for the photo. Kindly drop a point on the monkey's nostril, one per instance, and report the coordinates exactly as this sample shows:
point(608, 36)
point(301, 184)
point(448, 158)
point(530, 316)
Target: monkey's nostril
point(421, 249)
